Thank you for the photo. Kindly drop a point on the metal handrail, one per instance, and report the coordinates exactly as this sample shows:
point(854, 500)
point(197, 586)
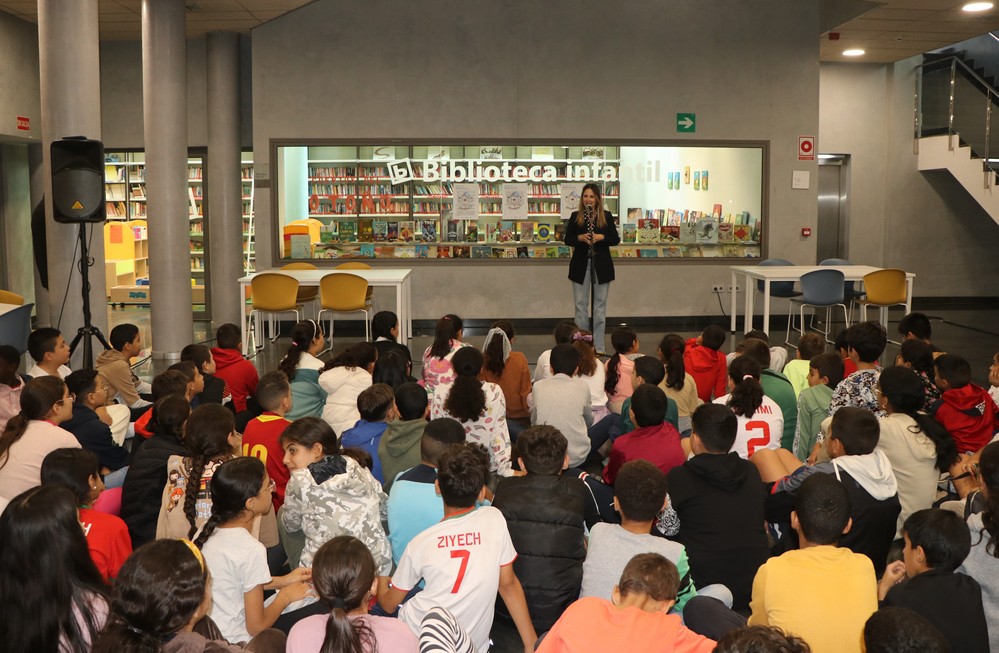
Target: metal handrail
point(956, 61)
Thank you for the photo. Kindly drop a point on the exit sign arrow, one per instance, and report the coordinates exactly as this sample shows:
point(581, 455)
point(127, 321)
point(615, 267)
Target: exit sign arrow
point(686, 123)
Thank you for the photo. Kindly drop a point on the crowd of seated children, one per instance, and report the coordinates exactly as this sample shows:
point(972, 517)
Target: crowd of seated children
point(639, 496)
point(719, 500)
point(414, 503)
point(50, 351)
point(376, 406)
point(34, 433)
point(864, 472)
point(936, 543)
point(775, 386)
point(510, 371)
point(778, 353)
point(563, 401)
point(90, 392)
point(215, 390)
point(107, 535)
point(399, 447)
point(239, 375)
point(115, 365)
point(11, 384)
point(302, 368)
point(655, 439)
point(546, 514)
point(678, 384)
point(262, 435)
point(704, 361)
point(478, 405)
point(330, 494)
point(343, 378)
point(563, 334)
point(821, 592)
point(760, 419)
point(194, 377)
point(464, 560)
point(437, 369)
point(636, 617)
point(385, 334)
point(825, 371)
point(919, 356)
point(617, 378)
point(916, 445)
point(809, 346)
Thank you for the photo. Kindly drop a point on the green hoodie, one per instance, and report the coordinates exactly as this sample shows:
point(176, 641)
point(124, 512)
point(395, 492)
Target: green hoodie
point(399, 448)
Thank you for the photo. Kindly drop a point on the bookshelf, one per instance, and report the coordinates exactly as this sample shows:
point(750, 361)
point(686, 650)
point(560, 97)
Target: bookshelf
point(249, 240)
point(399, 201)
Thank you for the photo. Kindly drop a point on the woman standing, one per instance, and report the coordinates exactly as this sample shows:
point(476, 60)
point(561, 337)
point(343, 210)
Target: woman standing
point(591, 232)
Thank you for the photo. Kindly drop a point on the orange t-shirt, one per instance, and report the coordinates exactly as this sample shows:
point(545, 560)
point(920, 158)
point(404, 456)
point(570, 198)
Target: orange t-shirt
point(515, 384)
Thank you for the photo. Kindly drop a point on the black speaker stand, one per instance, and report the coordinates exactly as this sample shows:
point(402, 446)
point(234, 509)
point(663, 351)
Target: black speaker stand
point(88, 330)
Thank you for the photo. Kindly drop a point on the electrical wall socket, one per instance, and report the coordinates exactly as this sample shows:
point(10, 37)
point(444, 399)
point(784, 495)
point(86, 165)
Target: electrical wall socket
point(737, 289)
point(717, 288)
point(720, 288)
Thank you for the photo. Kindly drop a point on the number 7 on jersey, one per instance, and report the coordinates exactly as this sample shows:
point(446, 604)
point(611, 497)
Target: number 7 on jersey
point(464, 555)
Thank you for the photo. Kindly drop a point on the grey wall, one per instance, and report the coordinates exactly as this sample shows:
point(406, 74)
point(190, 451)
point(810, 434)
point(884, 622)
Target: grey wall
point(900, 217)
point(525, 69)
point(20, 90)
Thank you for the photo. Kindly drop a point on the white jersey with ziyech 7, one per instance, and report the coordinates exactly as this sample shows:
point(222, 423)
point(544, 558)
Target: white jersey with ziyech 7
point(459, 558)
point(761, 431)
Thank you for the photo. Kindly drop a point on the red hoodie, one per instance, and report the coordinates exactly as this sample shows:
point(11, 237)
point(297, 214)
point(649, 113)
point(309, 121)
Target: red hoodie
point(708, 368)
point(238, 373)
point(969, 414)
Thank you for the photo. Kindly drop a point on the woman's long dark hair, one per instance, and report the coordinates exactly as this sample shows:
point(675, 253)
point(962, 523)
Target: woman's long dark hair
point(37, 399)
point(48, 581)
point(302, 335)
point(390, 369)
point(492, 353)
point(621, 340)
point(446, 330)
point(307, 431)
point(467, 400)
point(157, 592)
point(988, 471)
point(906, 394)
point(207, 438)
point(601, 221)
point(671, 353)
point(382, 324)
point(361, 354)
point(747, 395)
point(342, 572)
point(234, 483)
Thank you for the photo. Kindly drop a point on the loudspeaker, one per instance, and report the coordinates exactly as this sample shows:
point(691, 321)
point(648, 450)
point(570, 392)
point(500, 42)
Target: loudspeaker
point(78, 180)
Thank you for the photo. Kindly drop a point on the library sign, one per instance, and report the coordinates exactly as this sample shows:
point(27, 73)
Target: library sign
point(402, 171)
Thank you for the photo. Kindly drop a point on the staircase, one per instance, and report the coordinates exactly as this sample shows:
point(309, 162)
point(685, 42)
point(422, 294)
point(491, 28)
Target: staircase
point(935, 153)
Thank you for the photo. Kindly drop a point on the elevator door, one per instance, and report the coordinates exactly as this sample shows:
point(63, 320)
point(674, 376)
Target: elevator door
point(831, 241)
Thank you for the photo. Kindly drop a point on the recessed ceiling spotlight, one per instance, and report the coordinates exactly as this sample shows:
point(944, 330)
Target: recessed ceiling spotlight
point(853, 52)
point(977, 6)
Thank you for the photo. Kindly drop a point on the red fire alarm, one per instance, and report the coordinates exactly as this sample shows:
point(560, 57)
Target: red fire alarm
point(806, 232)
point(833, 36)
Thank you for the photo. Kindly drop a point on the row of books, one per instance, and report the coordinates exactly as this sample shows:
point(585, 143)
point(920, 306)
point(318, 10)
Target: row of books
point(427, 251)
point(703, 230)
point(370, 230)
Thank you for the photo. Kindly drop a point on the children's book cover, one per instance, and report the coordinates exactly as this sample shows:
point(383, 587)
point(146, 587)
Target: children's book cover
point(551, 252)
point(392, 233)
point(648, 230)
point(348, 231)
point(366, 233)
point(422, 251)
point(498, 252)
point(367, 250)
point(646, 252)
point(407, 231)
point(706, 230)
point(329, 233)
point(670, 233)
point(453, 227)
point(525, 232)
point(506, 231)
point(630, 234)
point(405, 251)
point(634, 215)
point(481, 252)
point(725, 232)
point(428, 231)
point(460, 251)
point(471, 232)
point(522, 252)
point(509, 252)
point(443, 251)
point(492, 232)
point(380, 230)
point(564, 251)
point(543, 234)
point(673, 251)
point(688, 232)
point(384, 251)
point(539, 252)
point(559, 233)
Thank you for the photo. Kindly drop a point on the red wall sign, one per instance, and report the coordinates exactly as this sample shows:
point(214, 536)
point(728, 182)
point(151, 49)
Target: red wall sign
point(23, 123)
point(806, 148)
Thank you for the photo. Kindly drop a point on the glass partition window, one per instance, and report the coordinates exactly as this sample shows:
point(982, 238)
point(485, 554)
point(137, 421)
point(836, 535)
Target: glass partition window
point(510, 201)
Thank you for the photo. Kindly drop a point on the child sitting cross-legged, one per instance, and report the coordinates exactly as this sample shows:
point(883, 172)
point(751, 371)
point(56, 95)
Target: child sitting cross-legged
point(703, 360)
point(936, 543)
point(262, 436)
point(655, 439)
point(648, 369)
point(761, 419)
point(634, 619)
point(825, 371)
point(239, 374)
point(376, 406)
point(678, 384)
point(399, 448)
point(545, 513)
point(965, 409)
point(563, 401)
point(464, 560)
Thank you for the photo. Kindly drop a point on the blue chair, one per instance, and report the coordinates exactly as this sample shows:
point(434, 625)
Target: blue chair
point(850, 294)
point(15, 326)
point(820, 289)
point(783, 289)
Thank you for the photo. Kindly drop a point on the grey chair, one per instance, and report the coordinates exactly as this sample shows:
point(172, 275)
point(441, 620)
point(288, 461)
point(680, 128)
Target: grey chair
point(851, 294)
point(820, 289)
point(15, 326)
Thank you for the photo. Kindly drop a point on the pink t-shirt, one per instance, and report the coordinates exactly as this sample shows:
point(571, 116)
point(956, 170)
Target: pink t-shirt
point(623, 388)
point(22, 469)
point(390, 634)
point(10, 402)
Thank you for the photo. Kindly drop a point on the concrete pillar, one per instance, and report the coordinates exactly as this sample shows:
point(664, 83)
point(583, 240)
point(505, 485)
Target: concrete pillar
point(69, 62)
point(225, 191)
point(164, 113)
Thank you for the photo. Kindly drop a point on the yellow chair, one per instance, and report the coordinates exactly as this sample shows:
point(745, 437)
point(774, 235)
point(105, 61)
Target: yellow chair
point(8, 297)
point(273, 294)
point(344, 293)
point(306, 295)
point(884, 289)
point(357, 265)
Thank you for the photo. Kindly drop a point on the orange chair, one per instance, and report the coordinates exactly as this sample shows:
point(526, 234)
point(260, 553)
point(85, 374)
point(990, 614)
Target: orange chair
point(357, 265)
point(884, 288)
point(344, 293)
point(273, 294)
point(309, 294)
point(8, 297)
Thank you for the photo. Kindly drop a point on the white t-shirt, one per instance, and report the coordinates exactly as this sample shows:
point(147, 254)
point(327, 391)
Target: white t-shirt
point(36, 372)
point(238, 563)
point(459, 560)
point(543, 369)
point(761, 431)
point(598, 396)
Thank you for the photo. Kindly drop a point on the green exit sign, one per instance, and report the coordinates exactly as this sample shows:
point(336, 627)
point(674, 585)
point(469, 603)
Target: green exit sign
point(686, 123)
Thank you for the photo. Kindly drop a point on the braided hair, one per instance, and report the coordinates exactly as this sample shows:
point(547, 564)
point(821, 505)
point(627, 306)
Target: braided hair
point(207, 438)
point(235, 482)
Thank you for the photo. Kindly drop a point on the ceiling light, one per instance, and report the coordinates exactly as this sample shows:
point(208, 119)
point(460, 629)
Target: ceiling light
point(853, 52)
point(977, 6)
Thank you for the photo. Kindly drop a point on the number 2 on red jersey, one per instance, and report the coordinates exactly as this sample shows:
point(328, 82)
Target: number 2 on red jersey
point(760, 442)
point(463, 554)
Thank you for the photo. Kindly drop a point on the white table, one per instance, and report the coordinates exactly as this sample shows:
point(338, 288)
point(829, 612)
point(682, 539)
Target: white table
point(771, 273)
point(397, 278)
